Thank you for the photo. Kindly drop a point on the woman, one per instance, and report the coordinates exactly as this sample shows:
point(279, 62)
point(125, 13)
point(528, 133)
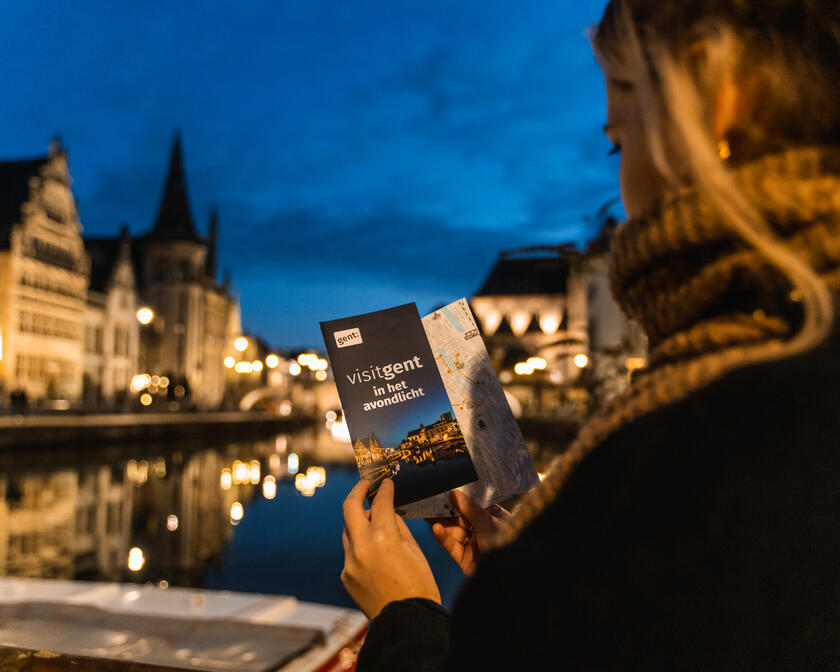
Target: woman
point(695, 522)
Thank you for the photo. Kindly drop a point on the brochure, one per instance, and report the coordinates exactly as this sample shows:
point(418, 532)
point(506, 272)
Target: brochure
point(424, 407)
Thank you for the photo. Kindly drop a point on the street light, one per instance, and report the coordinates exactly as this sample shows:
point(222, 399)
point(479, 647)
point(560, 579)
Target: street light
point(272, 361)
point(241, 344)
point(145, 315)
point(136, 559)
point(581, 361)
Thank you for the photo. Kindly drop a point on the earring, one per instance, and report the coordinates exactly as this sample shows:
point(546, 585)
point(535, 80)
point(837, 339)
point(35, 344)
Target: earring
point(724, 150)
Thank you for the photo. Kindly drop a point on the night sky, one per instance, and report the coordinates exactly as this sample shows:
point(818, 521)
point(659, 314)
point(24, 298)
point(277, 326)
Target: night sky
point(362, 154)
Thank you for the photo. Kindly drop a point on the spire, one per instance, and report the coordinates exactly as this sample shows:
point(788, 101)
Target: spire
point(174, 219)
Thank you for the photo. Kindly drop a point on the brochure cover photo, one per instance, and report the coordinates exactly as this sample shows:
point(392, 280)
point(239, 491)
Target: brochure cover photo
point(402, 425)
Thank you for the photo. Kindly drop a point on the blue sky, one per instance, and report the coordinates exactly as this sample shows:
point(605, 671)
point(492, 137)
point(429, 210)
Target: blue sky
point(362, 154)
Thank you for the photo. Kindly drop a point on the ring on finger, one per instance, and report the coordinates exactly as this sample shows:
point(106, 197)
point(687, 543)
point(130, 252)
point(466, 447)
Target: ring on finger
point(468, 536)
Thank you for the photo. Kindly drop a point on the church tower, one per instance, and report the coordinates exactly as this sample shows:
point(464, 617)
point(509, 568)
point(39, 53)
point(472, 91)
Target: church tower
point(176, 278)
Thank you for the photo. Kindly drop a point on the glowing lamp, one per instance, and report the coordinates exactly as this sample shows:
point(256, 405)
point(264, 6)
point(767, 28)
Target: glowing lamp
point(145, 315)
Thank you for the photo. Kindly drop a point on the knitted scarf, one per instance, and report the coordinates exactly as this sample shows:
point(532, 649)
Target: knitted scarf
point(708, 302)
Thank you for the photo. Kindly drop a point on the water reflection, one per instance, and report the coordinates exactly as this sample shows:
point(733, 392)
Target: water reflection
point(256, 516)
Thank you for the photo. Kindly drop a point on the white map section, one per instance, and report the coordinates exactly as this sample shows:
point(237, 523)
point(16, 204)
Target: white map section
point(496, 446)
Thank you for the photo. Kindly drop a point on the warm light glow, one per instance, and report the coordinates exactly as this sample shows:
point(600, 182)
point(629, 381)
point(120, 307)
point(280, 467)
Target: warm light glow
point(230, 362)
point(272, 361)
point(243, 367)
point(314, 478)
point(340, 432)
point(537, 363)
point(285, 407)
point(172, 522)
point(634, 363)
point(241, 472)
point(140, 381)
point(549, 324)
point(236, 511)
point(136, 559)
point(254, 470)
point(492, 321)
point(293, 463)
point(164, 382)
point(541, 475)
point(318, 364)
point(137, 472)
point(226, 479)
point(307, 359)
point(332, 415)
point(274, 462)
point(146, 399)
point(320, 376)
point(241, 344)
point(269, 487)
point(294, 368)
point(145, 315)
point(581, 361)
point(317, 475)
point(256, 365)
point(154, 380)
point(523, 369)
point(303, 486)
point(519, 323)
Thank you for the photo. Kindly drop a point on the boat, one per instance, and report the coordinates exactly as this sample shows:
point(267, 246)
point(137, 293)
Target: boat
point(129, 626)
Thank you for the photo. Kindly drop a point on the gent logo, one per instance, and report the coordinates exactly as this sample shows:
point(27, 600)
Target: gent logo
point(348, 337)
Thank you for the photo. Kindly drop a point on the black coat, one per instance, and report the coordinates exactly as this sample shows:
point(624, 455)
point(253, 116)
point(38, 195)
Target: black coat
point(705, 535)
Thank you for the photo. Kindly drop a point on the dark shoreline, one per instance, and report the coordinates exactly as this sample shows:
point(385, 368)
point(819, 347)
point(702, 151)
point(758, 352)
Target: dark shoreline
point(34, 431)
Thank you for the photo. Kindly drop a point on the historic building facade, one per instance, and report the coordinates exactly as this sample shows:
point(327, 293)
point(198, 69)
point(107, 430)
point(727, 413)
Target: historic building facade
point(44, 276)
point(112, 333)
point(196, 319)
point(533, 303)
point(368, 450)
point(554, 304)
point(69, 330)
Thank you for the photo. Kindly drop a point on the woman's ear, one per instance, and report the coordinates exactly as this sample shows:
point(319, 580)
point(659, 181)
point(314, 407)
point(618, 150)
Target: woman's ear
point(711, 63)
point(726, 110)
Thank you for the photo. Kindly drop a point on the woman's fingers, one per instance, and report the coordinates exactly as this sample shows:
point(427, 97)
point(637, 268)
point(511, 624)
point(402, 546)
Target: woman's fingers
point(355, 516)
point(469, 509)
point(382, 512)
point(499, 512)
point(450, 539)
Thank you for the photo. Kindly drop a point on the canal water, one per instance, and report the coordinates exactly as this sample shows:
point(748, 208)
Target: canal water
point(257, 516)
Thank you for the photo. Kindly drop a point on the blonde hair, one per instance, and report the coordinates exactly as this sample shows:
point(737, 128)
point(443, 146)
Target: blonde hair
point(645, 45)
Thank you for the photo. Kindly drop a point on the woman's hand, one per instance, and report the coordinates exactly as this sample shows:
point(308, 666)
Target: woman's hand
point(466, 536)
point(382, 561)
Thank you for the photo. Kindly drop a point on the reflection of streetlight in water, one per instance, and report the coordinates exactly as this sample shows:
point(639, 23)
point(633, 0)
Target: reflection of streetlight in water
point(236, 512)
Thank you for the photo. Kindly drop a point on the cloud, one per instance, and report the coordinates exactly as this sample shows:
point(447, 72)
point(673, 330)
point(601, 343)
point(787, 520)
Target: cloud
point(400, 248)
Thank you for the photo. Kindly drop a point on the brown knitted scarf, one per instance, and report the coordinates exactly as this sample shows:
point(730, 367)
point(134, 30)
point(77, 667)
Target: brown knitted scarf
point(708, 302)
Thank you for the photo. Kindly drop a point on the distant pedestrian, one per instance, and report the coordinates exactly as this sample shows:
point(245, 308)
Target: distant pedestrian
point(19, 402)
